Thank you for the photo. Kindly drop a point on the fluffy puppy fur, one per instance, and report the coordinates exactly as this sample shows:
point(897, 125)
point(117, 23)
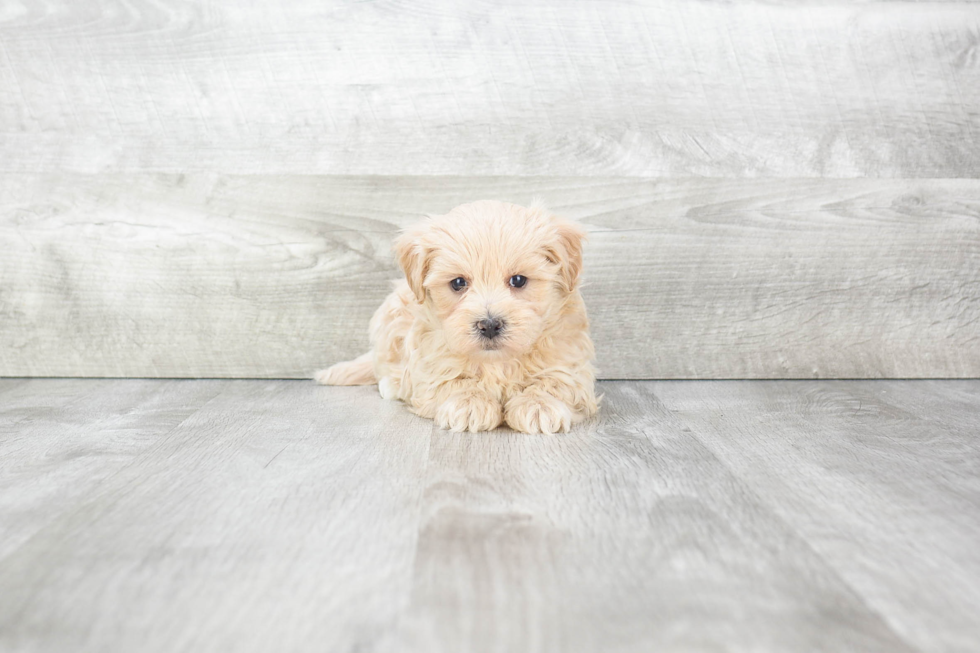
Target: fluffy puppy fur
point(488, 325)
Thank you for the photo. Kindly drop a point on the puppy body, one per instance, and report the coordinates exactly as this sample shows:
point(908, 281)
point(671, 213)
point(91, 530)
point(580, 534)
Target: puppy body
point(489, 351)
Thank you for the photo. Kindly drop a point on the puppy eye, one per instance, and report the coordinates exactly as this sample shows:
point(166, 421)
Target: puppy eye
point(518, 281)
point(457, 284)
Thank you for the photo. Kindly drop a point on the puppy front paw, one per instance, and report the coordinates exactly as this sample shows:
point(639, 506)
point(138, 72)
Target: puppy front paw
point(469, 411)
point(537, 412)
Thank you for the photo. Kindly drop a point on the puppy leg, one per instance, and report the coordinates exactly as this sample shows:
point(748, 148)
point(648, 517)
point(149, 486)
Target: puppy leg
point(536, 411)
point(551, 405)
point(359, 371)
point(469, 408)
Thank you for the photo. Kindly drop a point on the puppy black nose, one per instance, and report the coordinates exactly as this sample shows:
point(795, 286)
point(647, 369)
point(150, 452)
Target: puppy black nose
point(490, 327)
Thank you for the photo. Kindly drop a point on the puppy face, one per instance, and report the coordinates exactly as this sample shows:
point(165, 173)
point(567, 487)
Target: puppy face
point(492, 275)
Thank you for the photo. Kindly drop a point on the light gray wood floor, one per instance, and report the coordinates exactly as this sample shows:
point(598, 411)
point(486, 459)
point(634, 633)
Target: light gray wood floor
point(278, 515)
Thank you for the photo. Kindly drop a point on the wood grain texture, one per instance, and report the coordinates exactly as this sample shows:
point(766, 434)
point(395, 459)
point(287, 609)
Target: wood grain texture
point(739, 516)
point(626, 535)
point(60, 440)
point(275, 517)
point(591, 88)
point(257, 276)
point(876, 478)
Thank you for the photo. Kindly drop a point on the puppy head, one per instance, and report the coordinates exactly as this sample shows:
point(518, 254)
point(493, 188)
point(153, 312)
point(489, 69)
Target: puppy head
point(492, 275)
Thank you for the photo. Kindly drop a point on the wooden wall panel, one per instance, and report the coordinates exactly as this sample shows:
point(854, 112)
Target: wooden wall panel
point(590, 88)
point(274, 276)
point(210, 189)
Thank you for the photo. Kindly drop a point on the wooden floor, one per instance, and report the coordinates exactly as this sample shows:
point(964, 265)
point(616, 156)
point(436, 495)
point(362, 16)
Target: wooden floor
point(692, 516)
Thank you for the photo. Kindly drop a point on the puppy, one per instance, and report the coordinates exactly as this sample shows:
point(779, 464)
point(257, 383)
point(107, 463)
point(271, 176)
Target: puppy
point(488, 325)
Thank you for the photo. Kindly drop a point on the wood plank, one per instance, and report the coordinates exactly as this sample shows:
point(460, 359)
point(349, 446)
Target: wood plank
point(10, 384)
point(625, 535)
point(61, 439)
point(881, 479)
point(823, 88)
point(230, 276)
point(765, 516)
point(279, 515)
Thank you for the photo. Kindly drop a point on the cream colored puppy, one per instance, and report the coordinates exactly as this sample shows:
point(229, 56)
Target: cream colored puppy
point(488, 325)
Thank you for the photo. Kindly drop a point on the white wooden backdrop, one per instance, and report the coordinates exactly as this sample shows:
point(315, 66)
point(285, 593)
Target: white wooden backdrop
point(781, 189)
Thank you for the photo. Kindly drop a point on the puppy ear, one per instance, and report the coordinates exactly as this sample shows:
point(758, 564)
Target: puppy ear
point(413, 257)
point(566, 252)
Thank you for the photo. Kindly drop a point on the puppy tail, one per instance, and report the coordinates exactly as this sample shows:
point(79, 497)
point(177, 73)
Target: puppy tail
point(359, 371)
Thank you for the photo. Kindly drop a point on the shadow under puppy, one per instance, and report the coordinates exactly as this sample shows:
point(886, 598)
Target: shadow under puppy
point(488, 325)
